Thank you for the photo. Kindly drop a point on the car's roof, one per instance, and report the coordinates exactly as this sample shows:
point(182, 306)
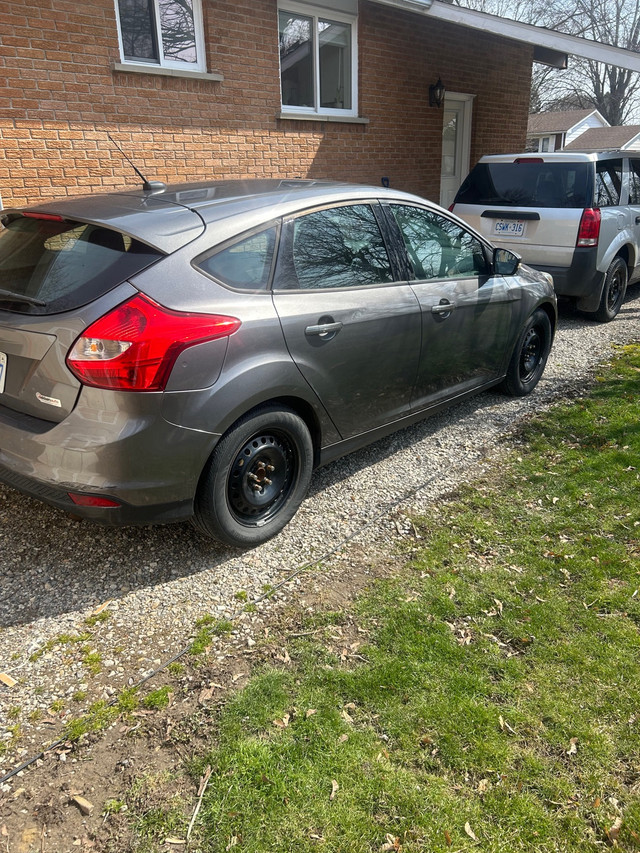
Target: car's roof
point(171, 216)
point(554, 156)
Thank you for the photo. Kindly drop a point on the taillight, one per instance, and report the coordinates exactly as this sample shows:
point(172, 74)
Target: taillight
point(134, 346)
point(49, 217)
point(451, 206)
point(589, 230)
point(93, 500)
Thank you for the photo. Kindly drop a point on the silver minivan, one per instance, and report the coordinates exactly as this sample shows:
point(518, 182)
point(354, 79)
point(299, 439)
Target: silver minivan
point(573, 215)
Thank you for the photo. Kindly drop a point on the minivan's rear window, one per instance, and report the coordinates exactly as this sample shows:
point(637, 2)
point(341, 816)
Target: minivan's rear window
point(48, 264)
point(527, 184)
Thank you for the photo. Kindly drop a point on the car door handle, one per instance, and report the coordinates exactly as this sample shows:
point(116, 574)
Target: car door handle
point(323, 330)
point(637, 220)
point(444, 308)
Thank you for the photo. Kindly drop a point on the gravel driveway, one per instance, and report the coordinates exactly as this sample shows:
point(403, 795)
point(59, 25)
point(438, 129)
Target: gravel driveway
point(156, 582)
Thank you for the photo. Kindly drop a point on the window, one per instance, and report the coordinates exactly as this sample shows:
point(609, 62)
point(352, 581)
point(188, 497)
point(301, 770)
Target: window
point(59, 265)
point(317, 61)
point(437, 247)
point(634, 182)
point(608, 182)
point(245, 264)
point(168, 33)
point(338, 247)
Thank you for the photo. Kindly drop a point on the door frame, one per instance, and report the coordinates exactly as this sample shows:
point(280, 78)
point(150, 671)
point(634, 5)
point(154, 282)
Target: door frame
point(463, 142)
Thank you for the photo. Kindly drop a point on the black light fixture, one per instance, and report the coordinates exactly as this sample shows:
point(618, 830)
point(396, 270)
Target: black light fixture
point(436, 94)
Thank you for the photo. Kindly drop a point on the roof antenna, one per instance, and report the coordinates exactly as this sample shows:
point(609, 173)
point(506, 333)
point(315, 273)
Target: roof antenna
point(147, 186)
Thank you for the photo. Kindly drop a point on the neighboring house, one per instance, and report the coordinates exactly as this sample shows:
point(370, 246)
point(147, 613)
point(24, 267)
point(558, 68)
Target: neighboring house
point(192, 89)
point(555, 130)
point(622, 137)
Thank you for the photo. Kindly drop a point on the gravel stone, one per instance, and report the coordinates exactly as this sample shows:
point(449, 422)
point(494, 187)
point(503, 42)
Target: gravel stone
point(156, 582)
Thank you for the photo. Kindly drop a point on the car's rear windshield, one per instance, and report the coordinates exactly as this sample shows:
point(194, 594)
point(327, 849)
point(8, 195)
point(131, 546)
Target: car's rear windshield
point(48, 264)
point(527, 184)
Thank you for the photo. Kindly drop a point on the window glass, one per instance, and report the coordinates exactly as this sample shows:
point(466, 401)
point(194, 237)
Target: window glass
point(335, 64)
point(296, 59)
point(527, 184)
point(634, 182)
point(316, 61)
point(178, 30)
point(246, 264)
point(162, 32)
point(437, 247)
point(608, 182)
point(339, 247)
point(62, 265)
point(137, 24)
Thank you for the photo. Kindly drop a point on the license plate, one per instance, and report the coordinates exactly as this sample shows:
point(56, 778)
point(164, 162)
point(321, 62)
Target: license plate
point(509, 227)
point(3, 370)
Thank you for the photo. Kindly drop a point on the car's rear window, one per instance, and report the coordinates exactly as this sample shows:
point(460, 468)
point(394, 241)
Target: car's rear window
point(49, 265)
point(527, 184)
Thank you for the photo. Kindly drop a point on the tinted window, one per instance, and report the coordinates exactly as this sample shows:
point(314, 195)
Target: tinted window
point(608, 182)
point(634, 182)
point(438, 247)
point(57, 265)
point(527, 184)
point(246, 264)
point(339, 247)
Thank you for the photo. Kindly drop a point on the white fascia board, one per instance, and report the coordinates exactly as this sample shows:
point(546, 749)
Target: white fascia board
point(420, 6)
point(518, 31)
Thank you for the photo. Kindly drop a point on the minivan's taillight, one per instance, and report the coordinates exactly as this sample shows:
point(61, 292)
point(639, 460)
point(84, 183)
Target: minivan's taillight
point(134, 346)
point(589, 230)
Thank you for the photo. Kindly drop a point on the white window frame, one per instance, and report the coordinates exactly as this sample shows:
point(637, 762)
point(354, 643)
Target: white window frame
point(149, 64)
point(314, 12)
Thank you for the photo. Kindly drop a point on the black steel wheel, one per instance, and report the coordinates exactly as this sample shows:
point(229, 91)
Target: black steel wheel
point(613, 292)
point(529, 356)
point(256, 478)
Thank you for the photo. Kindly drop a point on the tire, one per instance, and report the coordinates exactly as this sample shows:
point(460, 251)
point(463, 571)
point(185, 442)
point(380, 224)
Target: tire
point(529, 356)
point(613, 292)
point(256, 478)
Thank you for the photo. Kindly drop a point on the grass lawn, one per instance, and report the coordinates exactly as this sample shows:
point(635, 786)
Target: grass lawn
point(485, 698)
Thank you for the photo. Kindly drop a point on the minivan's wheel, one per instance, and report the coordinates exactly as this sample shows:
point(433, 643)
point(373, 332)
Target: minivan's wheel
point(615, 287)
point(529, 356)
point(256, 478)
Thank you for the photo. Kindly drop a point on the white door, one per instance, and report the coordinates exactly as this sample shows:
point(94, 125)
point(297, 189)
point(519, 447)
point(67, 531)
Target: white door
point(456, 144)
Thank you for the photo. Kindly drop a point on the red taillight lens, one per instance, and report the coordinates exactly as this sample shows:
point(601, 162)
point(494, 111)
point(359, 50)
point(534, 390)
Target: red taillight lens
point(589, 230)
point(92, 500)
point(134, 347)
point(49, 217)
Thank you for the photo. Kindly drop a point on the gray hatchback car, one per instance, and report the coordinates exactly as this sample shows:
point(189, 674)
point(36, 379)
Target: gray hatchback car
point(194, 351)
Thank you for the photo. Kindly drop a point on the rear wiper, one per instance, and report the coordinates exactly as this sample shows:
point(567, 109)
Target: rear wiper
point(20, 297)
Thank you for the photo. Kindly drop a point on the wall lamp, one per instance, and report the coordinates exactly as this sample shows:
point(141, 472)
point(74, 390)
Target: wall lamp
point(436, 94)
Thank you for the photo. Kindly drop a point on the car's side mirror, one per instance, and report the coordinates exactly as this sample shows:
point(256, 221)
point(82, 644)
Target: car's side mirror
point(505, 262)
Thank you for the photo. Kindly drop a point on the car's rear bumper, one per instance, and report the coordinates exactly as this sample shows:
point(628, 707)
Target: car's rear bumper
point(131, 456)
point(581, 280)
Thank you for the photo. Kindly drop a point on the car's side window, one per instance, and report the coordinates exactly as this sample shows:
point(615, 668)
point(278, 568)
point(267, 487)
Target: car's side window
point(608, 182)
point(634, 182)
point(438, 247)
point(245, 264)
point(334, 247)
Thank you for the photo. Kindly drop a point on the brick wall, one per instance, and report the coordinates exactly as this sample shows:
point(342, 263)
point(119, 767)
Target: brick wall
point(59, 97)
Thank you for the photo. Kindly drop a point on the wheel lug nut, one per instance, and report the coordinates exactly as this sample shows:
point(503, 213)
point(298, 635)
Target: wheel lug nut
point(270, 468)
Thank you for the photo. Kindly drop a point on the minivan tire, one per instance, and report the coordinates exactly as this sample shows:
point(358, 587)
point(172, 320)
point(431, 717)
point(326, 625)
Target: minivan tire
point(256, 478)
point(529, 356)
point(613, 292)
